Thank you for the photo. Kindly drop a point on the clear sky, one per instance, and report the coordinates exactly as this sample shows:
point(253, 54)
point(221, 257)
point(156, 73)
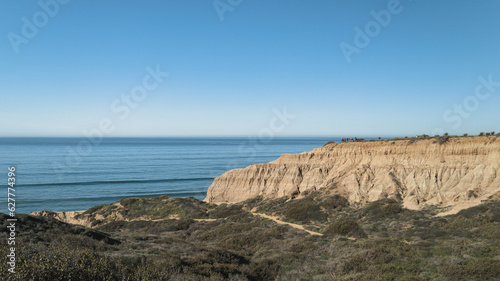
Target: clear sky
point(232, 65)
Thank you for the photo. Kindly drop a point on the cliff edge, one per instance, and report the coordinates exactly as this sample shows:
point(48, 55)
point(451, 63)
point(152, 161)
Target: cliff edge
point(457, 174)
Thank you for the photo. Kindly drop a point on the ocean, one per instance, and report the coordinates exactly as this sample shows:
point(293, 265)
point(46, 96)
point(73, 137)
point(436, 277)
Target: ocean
point(68, 174)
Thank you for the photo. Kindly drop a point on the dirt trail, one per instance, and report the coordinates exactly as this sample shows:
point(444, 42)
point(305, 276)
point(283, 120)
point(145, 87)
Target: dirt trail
point(297, 226)
point(69, 217)
point(204, 219)
point(276, 219)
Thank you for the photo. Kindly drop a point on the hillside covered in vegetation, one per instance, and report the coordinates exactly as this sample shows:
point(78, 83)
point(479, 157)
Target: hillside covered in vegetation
point(259, 239)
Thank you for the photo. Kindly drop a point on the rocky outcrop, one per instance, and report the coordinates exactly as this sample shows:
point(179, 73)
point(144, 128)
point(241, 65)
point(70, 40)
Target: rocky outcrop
point(133, 209)
point(67, 217)
point(86, 218)
point(459, 173)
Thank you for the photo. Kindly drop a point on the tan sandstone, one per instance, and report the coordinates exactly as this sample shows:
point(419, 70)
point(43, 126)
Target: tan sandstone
point(459, 173)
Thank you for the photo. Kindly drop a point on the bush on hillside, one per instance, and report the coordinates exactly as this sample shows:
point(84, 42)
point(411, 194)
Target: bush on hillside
point(383, 208)
point(304, 210)
point(225, 210)
point(335, 202)
point(476, 269)
point(344, 227)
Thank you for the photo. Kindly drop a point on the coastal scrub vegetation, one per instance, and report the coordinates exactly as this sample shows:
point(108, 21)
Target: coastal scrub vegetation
point(411, 140)
point(195, 240)
point(344, 227)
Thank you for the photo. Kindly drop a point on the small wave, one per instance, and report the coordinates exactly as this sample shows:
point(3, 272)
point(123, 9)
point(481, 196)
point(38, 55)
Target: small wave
point(115, 182)
point(108, 198)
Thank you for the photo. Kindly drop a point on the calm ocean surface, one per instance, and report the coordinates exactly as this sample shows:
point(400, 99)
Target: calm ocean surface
point(67, 174)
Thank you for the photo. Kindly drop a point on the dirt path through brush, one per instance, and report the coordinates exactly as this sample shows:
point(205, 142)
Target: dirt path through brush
point(297, 226)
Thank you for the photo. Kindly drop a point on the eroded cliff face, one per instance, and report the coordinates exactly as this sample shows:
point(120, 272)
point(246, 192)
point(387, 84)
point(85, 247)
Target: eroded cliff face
point(458, 174)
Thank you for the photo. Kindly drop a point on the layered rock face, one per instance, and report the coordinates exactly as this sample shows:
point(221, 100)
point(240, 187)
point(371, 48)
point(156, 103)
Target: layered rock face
point(459, 173)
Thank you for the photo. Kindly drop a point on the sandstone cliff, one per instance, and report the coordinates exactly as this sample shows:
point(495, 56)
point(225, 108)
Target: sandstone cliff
point(459, 173)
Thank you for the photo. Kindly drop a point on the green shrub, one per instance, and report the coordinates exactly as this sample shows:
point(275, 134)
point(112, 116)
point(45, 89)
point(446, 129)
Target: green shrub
point(342, 227)
point(443, 139)
point(335, 202)
point(225, 210)
point(58, 263)
point(476, 269)
point(383, 208)
point(253, 201)
point(380, 256)
point(411, 278)
point(163, 267)
point(273, 206)
point(266, 269)
point(493, 215)
point(461, 222)
point(150, 227)
point(391, 209)
point(218, 256)
point(412, 140)
point(489, 212)
point(472, 194)
point(304, 210)
point(355, 263)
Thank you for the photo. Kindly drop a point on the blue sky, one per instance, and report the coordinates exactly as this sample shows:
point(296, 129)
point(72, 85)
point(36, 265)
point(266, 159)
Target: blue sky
point(229, 75)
